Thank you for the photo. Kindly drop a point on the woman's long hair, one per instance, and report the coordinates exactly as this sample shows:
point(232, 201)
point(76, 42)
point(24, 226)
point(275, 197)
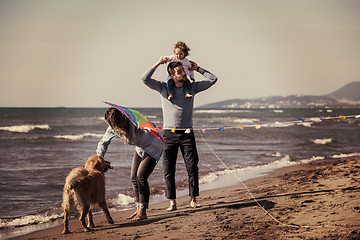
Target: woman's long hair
point(118, 122)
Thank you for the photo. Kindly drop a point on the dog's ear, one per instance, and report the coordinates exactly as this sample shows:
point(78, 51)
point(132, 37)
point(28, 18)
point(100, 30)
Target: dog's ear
point(92, 163)
point(98, 165)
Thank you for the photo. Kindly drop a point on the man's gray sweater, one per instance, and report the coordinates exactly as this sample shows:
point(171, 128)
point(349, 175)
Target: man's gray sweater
point(178, 112)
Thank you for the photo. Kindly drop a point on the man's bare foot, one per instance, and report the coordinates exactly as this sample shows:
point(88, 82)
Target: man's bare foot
point(172, 206)
point(194, 204)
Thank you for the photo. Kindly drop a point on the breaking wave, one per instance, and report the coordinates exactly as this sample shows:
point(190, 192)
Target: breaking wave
point(78, 136)
point(322, 141)
point(345, 155)
point(280, 163)
point(220, 111)
point(30, 219)
point(246, 120)
point(24, 128)
point(122, 200)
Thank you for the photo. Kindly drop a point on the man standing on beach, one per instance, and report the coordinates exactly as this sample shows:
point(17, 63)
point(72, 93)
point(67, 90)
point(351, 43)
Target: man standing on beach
point(177, 125)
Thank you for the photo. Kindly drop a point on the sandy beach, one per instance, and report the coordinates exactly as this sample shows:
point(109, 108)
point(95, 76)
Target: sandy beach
point(319, 200)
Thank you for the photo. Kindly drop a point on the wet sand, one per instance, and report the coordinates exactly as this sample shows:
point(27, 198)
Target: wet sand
point(319, 200)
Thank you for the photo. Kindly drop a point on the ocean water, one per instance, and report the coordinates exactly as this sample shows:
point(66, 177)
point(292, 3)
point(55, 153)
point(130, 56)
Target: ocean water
point(39, 147)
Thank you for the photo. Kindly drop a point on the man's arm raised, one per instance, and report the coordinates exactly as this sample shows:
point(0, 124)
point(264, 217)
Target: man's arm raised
point(162, 60)
point(211, 79)
point(196, 67)
point(146, 77)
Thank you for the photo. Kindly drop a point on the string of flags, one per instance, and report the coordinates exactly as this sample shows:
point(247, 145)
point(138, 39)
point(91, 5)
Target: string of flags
point(258, 126)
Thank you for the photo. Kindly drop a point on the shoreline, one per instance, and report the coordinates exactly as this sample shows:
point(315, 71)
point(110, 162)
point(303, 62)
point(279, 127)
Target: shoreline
point(318, 199)
point(223, 179)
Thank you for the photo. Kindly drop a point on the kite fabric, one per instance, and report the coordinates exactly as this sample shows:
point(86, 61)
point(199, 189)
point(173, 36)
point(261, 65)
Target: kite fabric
point(138, 119)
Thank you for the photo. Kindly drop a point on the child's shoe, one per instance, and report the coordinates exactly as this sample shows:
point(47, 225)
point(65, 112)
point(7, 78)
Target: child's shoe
point(171, 96)
point(188, 95)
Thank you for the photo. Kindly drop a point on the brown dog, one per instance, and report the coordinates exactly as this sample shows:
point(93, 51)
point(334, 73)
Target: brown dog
point(85, 186)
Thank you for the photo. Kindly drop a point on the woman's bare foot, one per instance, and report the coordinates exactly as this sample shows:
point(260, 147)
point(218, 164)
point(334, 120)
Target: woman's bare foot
point(133, 215)
point(141, 215)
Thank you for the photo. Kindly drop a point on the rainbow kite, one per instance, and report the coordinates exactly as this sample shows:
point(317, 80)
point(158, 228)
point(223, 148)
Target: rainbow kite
point(138, 119)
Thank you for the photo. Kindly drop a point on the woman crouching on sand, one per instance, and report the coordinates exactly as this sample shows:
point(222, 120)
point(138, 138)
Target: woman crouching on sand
point(148, 150)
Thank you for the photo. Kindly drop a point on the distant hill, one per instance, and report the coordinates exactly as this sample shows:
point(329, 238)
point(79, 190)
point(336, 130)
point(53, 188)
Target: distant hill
point(347, 96)
point(350, 92)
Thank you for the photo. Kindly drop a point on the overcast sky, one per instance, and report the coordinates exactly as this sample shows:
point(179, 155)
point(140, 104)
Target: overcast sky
point(78, 53)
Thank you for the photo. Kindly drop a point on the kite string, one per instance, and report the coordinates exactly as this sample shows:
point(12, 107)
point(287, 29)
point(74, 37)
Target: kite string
point(252, 196)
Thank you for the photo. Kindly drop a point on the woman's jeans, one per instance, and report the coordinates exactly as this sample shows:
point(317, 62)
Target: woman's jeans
point(140, 171)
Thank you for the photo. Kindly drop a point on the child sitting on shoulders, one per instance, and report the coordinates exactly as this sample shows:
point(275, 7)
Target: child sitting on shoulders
point(181, 51)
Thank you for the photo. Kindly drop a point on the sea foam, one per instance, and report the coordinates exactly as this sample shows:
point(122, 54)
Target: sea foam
point(306, 124)
point(78, 136)
point(122, 200)
point(322, 141)
point(30, 219)
point(344, 155)
point(221, 111)
point(282, 162)
point(24, 128)
point(278, 111)
point(246, 120)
